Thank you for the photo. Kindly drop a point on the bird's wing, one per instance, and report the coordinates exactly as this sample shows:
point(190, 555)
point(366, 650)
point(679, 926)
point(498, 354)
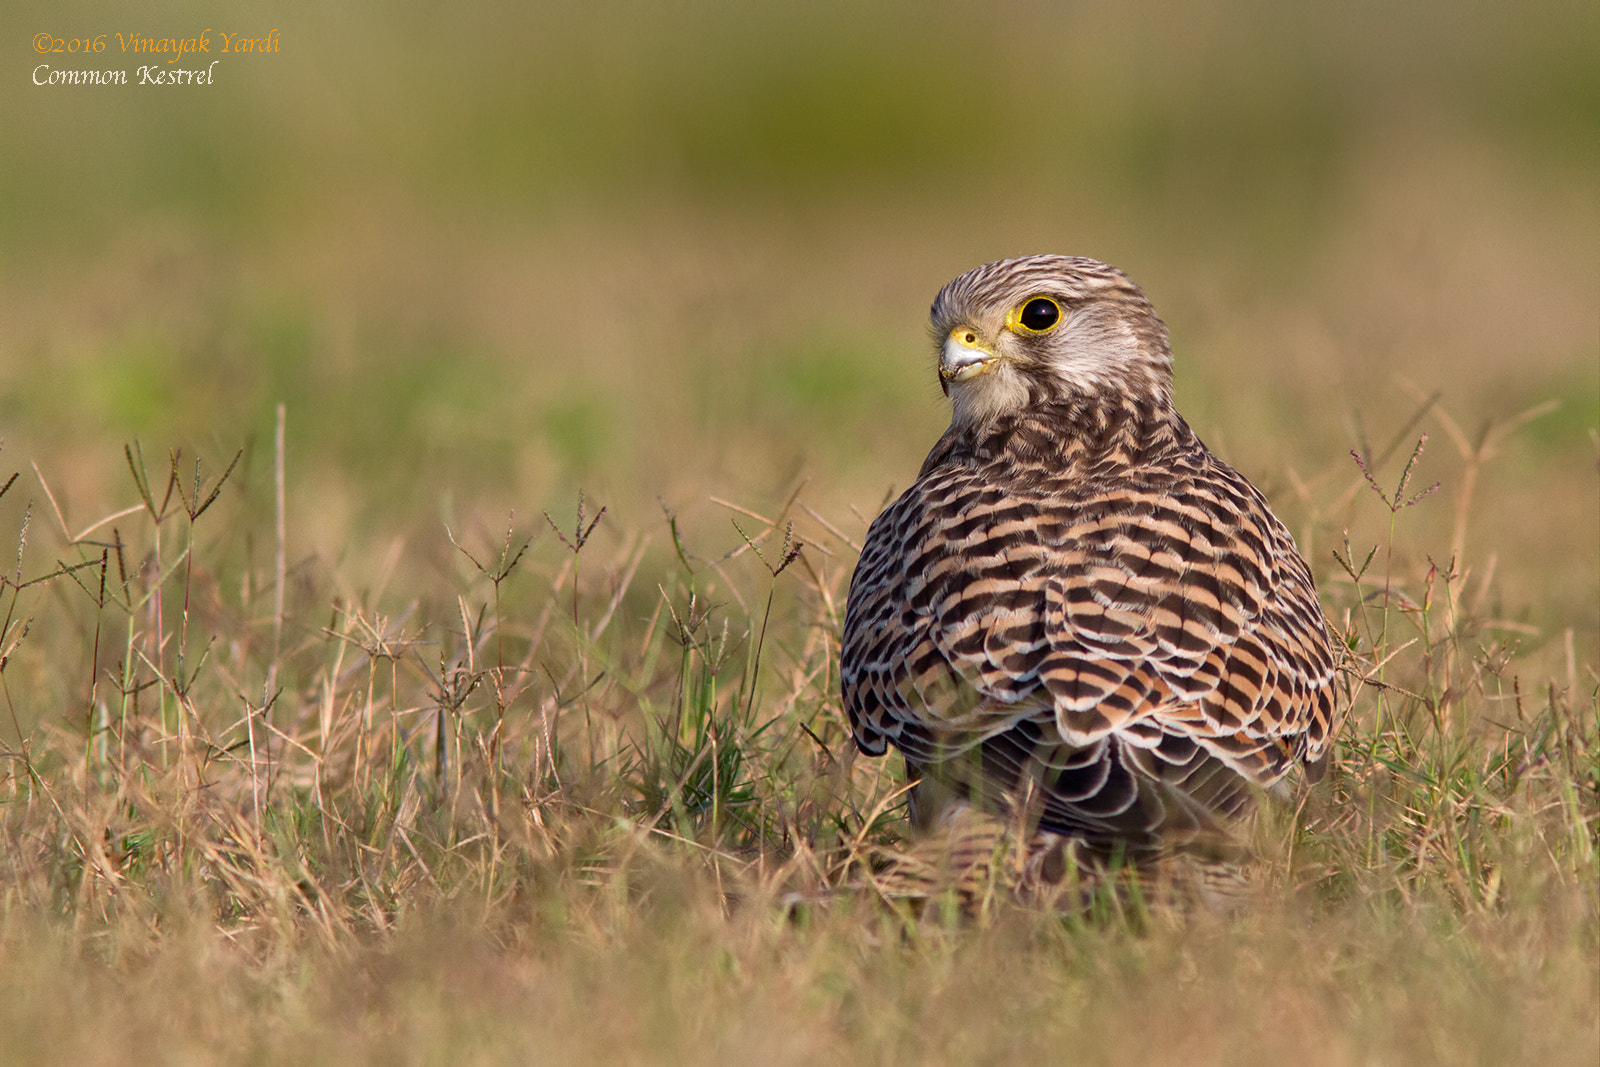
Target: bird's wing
point(1177, 620)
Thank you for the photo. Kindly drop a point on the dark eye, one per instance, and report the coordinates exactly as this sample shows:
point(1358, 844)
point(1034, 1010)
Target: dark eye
point(1039, 314)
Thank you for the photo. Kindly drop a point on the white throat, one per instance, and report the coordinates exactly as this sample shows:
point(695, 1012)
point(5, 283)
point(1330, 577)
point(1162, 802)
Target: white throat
point(987, 396)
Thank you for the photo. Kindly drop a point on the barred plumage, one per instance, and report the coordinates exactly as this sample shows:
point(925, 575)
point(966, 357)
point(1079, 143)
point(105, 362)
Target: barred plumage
point(1076, 601)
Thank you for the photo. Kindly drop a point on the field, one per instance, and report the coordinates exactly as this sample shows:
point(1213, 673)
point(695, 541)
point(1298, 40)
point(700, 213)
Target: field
point(441, 447)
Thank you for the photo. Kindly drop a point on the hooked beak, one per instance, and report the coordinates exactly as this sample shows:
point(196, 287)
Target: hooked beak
point(964, 355)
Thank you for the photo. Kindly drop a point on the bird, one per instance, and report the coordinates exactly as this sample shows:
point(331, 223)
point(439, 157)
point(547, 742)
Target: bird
point(1077, 619)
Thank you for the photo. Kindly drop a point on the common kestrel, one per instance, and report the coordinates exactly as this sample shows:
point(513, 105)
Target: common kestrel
point(1077, 609)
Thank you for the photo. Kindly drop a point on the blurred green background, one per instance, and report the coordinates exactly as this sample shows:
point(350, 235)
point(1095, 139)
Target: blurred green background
point(489, 253)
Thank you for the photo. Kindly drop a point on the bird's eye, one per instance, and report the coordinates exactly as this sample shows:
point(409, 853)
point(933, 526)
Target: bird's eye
point(1039, 314)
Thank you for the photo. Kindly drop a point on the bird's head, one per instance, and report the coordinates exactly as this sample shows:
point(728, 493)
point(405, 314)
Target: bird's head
point(1022, 332)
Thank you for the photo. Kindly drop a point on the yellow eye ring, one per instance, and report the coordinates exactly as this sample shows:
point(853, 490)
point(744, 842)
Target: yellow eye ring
point(1035, 315)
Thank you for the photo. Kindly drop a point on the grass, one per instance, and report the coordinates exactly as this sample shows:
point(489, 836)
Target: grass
point(589, 794)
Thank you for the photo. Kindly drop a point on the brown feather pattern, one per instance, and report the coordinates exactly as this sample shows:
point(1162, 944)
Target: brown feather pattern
point(1078, 598)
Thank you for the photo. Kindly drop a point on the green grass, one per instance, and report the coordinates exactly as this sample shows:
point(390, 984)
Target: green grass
point(579, 794)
